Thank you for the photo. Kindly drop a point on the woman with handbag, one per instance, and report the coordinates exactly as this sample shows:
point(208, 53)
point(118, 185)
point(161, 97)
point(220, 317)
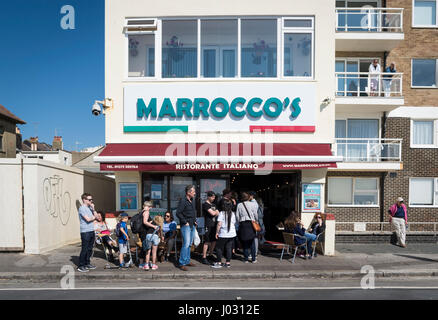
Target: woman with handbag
point(246, 214)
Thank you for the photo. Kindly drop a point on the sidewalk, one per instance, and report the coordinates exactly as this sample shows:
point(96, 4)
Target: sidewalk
point(387, 260)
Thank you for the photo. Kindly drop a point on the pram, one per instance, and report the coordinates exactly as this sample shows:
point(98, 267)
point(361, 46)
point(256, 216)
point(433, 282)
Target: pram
point(106, 248)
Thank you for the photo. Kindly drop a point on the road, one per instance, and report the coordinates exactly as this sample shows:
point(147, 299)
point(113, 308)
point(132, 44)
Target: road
point(399, 289)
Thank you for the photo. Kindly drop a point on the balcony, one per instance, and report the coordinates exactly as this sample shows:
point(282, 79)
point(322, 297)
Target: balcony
point(368, 29)
point(368, 154)
point(374, 91)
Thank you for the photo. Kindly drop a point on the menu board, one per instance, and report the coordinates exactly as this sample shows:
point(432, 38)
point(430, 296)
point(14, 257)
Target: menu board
point(311, 197)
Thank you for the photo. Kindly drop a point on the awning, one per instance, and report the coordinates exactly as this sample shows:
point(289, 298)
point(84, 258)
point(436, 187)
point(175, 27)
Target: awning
point(215, 156)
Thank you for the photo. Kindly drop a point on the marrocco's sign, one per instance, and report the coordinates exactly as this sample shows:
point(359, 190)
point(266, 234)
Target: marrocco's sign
point(216, 106)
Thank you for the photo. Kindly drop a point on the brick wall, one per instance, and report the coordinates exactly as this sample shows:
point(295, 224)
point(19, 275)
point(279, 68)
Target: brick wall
point(418, 43)
point(416, 163)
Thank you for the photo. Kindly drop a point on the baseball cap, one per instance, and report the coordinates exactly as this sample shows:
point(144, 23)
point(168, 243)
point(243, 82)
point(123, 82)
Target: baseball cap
point(124, 214)
point(400, 199)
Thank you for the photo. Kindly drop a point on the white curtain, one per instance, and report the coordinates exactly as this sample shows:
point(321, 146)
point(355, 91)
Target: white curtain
point(423, 132)
point(421, 191)
point(360, 128)
point(340, 190)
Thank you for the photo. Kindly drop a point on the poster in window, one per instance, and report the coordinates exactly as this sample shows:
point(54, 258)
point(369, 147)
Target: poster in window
point(312, 197)
point(156, 191)
point(128, 196)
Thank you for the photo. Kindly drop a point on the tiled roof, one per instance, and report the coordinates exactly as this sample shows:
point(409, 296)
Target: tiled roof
point(7, 114)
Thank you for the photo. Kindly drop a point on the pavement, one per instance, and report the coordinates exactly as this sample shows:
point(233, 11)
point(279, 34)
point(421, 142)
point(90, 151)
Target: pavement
point(386, 260)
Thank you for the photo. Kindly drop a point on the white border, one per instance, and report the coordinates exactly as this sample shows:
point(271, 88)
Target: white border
point(434, 191)
point(352, 193)
point(436, 74)
point(424, 26)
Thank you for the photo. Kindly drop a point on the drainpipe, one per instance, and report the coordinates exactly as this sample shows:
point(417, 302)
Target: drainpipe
point(385, 56)
point(22, 204)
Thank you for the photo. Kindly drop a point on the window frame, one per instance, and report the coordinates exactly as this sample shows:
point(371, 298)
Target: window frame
point(413, 25)
point(434, 193)
point(435, 135)
point(280, 47)
point(436, 74)
point(353, 193)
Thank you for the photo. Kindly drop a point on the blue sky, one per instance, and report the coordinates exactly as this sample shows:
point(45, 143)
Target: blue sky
point(50, 77)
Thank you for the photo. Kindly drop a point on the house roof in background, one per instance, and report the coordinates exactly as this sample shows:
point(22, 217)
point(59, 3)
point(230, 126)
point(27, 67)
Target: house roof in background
point(5, 113)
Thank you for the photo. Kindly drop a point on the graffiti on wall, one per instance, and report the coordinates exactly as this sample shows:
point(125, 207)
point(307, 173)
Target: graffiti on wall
point(57, 202)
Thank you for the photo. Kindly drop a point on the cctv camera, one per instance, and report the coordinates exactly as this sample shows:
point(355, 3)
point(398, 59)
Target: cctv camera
point(96, 110)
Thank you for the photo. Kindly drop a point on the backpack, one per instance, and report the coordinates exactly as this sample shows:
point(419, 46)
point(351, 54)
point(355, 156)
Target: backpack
point(118, 232)
point(137, 222)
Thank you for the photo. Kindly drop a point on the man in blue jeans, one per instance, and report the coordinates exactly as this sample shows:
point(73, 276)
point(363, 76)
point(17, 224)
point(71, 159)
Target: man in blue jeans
point(186, 214)
point(87, 215)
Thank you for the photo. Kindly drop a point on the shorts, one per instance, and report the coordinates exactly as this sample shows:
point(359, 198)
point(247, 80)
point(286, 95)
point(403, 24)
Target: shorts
point(151, 240)
point(210, 234)
point(123, 248)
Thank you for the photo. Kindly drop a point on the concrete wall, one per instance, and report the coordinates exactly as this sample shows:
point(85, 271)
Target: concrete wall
point(52, 195)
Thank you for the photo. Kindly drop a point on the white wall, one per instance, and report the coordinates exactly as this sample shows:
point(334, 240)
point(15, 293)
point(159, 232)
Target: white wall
point(52, 195)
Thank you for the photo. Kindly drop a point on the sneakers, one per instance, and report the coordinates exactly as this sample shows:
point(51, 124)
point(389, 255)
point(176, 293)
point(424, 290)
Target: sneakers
point(227, 265)
point(83, 269)
point(90, 267)
point(217, 265)
point(246, 261)
point(122, 265)
point(254, 261)
point(154, 267)
point(146, 266)
point(141, 265)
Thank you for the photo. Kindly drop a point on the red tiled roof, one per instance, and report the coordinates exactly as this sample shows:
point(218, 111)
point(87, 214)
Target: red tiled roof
point(7, 114)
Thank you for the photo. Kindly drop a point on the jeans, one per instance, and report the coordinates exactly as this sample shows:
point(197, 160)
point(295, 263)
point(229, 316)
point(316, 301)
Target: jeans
point(247, 246)
point(187, 233)
point(310, 237)
point(87, 239)
point(224, 245)
point(387, 87)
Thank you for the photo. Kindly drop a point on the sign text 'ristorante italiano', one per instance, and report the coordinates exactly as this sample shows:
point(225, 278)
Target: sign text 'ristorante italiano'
point(219, 107)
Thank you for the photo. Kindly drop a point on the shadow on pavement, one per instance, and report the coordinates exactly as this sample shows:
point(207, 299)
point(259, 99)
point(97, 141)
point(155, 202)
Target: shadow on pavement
point(416, 258)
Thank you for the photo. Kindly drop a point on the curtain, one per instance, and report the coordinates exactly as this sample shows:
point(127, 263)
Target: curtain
point(340, 190)
point(341, 132)
point(421, 191)
point(425, 13)
point(360, 150)
point(179, 62)
point(423, 132)
point(229, 63)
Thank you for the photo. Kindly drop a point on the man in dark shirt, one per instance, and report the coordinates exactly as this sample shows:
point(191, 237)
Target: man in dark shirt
point(210, 215)
point(186, 214)
point(399, 220)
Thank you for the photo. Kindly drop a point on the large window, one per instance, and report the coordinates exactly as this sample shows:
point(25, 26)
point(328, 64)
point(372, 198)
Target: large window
point(425, 13)
point(179, 44)
point(351, 191)
point(280, 47)
point(219, 48)
point(423, 133)
point(424, 73)
point(423, 192)
point(259, 48)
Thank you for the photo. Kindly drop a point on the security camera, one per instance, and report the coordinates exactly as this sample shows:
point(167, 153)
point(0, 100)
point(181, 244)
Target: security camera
point(96, 110)
point(326, 100)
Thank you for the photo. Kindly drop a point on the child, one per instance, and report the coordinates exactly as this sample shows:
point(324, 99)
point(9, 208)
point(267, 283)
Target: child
point(123, 238)
point(153, 238)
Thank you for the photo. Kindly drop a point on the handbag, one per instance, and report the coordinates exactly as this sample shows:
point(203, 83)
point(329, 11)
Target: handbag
point(255, 224)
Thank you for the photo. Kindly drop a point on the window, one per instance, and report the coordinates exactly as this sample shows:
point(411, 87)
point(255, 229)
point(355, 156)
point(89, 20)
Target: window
point(219, 48)
point(141, 55)
point(259, 47)
point(298, 47)
point(423, 133)
point(424, 73)
point(350, 191)
point(425, 14)
point(179, 44)
point(423, 192)
point(2, 131)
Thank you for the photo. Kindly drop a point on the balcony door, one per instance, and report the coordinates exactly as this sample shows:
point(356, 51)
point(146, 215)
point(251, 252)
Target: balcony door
point(355, 20)
point(353, 84)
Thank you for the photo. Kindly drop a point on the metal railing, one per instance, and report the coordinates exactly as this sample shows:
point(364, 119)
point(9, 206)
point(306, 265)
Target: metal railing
point(414, 227)
point(365, 84)
point(368, 149)
point(369, 19)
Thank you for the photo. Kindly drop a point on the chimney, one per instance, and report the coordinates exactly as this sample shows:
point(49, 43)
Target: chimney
point(33, 143)
point(57, 143)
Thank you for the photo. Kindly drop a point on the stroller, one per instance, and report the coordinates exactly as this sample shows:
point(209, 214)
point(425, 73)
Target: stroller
point(106, 248)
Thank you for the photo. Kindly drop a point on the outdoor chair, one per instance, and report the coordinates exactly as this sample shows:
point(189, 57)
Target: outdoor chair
point(319, 240)
point(289, 242)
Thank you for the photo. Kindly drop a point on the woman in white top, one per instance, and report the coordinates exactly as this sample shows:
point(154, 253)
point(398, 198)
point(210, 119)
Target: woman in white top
point(225, 234)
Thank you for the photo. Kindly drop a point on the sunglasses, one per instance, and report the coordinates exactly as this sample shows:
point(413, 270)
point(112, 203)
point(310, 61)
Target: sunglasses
point(167, 216)
point(318, 217)
point(90, 199)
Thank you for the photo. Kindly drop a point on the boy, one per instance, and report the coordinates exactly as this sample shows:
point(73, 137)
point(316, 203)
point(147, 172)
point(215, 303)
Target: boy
point(123, 238)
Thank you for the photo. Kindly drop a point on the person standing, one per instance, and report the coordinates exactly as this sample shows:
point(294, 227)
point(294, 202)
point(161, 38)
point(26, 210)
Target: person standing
point(387, 79)
point(374, 70)
point(210, 215)
point(147, 205)
point(247, 212)
point(186, 213)
point(87, 216)
point(399, 220)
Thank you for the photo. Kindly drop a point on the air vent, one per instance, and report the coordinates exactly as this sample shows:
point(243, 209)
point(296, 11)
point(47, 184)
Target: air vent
point(139, 25)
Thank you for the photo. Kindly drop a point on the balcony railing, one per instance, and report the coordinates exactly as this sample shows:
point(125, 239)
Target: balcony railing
point(362, 84)
point(368, 149)
point(369, 19)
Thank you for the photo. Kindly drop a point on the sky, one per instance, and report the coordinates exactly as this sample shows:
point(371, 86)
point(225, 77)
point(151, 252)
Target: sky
point(50, 77)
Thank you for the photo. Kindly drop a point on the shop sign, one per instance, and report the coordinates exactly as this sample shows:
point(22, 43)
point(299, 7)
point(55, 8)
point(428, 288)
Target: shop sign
point(311, 197)
point(216, 107)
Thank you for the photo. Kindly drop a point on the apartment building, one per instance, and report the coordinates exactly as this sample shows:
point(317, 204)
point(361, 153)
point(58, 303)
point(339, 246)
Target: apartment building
point(281, 98)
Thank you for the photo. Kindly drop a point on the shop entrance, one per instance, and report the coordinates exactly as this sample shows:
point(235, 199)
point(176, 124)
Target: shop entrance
point(279, 193)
